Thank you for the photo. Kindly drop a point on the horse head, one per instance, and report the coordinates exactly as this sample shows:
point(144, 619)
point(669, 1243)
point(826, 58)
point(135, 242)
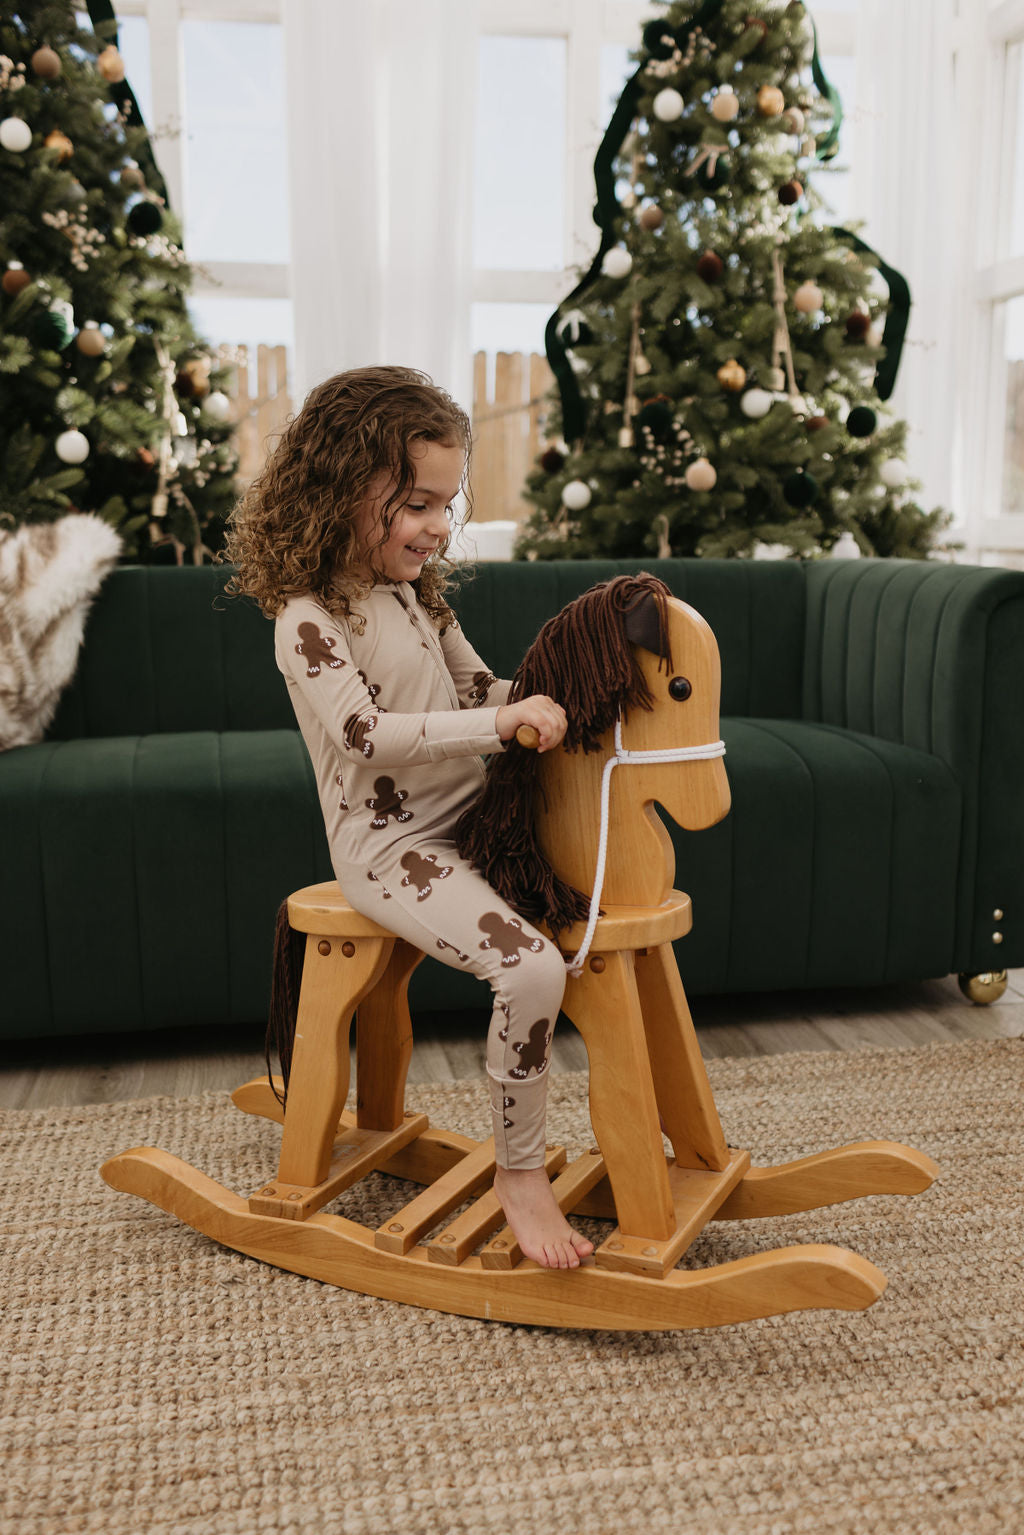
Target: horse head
point(677, 655)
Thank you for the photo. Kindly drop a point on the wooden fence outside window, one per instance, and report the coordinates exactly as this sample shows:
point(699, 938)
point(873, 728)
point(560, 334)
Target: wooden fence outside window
point(510, 392)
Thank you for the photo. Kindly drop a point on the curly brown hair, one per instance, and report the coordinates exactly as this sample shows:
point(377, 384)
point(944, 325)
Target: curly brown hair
point(294, 530)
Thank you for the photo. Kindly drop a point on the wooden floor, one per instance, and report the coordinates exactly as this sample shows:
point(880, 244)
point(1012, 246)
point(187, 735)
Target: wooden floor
point(73, 1070)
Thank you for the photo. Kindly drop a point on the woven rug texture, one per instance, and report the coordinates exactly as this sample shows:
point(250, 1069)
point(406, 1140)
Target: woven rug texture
point(152, 1381)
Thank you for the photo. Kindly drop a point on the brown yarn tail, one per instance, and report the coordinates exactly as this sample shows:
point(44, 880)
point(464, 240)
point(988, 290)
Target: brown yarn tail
point(286, 980)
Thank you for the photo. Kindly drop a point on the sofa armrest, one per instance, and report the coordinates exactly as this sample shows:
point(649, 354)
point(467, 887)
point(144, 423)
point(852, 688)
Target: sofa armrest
point(932, 656)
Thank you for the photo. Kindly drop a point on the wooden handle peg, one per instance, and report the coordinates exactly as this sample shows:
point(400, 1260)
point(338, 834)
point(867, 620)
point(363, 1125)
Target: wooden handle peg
point(528, 736)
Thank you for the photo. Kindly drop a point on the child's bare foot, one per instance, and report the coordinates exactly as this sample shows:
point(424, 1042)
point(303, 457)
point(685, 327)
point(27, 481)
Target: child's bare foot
point(539, 1226)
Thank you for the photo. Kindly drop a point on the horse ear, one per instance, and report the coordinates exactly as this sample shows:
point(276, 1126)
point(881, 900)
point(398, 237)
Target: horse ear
point(643, 624)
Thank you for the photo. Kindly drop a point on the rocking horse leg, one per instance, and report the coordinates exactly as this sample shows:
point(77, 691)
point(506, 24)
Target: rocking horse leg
point(336, 976)
point(685, 1100)
point(604, 1005)
point(384, 1043)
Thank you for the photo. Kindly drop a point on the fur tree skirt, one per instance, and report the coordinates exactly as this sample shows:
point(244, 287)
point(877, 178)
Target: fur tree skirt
point(49, 574)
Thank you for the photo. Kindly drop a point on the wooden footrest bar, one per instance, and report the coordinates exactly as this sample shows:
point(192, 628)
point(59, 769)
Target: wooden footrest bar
point(504, 1252)
point(484, 1215)
point(355, 1153)
point(461, 1182)
point(696, 1195)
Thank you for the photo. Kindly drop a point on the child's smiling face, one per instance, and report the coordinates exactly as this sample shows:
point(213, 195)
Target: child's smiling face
point(420, 525)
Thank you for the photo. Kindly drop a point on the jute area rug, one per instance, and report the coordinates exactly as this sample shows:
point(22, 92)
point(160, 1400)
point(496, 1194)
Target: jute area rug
point(154, 1382)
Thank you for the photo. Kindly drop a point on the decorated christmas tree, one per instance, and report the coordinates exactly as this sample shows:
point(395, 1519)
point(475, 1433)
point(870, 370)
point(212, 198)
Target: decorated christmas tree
point(721, 369)
point(109, 401)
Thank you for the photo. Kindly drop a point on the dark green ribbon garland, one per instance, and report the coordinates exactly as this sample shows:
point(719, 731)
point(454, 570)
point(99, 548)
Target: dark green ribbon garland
point(607, 210)
point(101, 13)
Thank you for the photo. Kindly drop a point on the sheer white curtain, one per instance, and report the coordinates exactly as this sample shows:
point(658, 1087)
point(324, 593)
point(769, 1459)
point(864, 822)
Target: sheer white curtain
point(905, 180)
point(381, 100)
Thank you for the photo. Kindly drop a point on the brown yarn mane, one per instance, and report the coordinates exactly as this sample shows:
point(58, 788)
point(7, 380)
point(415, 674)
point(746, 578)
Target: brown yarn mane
point(583, 659)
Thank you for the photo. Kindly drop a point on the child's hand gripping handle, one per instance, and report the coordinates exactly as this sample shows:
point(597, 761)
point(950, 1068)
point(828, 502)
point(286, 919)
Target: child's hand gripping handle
point(536, 722)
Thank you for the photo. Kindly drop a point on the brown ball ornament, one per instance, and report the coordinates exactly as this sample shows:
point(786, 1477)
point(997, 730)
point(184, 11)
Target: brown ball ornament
point(857, 325)
point(710, 266)
point(110, 65)
point(90, 340)
point(46, 63)
point(131, 177)
point(815, 423)
point(651, 217)
point(14, 279)
point(193, 378)
point(757, 22)
point(732, 376)
point(770, 101)
point(551, 460)
point(790, 192)
point(61, 143)
point(146, 457)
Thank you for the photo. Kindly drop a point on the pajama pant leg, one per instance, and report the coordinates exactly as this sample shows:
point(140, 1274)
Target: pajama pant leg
point(432, 898)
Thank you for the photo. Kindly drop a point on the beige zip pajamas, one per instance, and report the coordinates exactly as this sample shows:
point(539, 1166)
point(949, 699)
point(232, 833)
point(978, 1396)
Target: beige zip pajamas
point(396, 719)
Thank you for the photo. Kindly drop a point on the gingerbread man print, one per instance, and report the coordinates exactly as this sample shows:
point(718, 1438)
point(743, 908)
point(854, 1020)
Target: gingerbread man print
point(387, 801)
point(355, 731)
point(420, 869)
point(532, 1052)
point(482, 684)
point(506, 1104)
point(316, 648)
point(506, 936)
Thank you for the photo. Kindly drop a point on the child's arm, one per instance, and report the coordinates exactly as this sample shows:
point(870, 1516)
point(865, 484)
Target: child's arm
point(474, 681)
point(314, 653)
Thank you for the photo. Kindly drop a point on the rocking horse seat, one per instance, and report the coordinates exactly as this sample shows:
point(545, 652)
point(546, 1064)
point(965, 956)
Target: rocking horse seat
point(324, 911)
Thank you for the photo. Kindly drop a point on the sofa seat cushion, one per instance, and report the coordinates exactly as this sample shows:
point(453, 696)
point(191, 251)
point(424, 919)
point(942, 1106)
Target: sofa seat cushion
point(836, 866)
point(153, 866)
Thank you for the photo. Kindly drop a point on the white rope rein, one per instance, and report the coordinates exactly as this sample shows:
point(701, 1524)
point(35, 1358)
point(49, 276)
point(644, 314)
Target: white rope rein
point(670, 754)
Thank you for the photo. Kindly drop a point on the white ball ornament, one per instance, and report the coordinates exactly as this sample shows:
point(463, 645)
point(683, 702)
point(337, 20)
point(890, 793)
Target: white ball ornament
point(756, 403)
point(617, 262)
point(15, 134)
point(217, 405)
point(808, 298)
point(576, 495)
point(72, 447)
point(893, 473)
point(725, 104)
point(793, 120)
point(668, 105)
point(700, 475)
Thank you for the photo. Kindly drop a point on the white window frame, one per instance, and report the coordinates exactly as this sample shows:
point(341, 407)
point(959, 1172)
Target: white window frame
point(214, 279)
point(987, 89)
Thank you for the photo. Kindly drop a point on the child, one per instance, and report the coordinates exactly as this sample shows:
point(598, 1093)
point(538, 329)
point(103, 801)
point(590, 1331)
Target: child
point(341, 539)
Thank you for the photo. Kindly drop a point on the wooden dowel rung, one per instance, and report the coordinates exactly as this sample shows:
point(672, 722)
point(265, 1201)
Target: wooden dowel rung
point(354, 1154)
point(485, 1215)
point(504, 1252)
point(407, 1225)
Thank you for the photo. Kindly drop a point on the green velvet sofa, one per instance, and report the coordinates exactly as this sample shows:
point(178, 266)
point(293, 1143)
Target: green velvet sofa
point(871, 712)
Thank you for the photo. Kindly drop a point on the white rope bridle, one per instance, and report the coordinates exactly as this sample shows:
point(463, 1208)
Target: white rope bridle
point(670, 754)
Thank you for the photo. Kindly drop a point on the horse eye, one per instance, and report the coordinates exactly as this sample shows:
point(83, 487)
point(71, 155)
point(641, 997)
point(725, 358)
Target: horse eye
point(679, 689)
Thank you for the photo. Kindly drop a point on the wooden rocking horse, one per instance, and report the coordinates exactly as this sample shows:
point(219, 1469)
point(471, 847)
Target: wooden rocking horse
point(625, 996)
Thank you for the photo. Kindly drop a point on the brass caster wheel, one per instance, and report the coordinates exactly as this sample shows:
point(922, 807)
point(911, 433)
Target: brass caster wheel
point(984, 988)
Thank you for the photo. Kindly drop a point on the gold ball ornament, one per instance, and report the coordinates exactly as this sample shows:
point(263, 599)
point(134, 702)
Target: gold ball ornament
point(61, 143)
point(770, 101)
point(90, 340)
point(111, 65)
point(14, 279)
point(700, 475)
point(46, 63)
point(725, 104)
point(131, 177)
point(651, 217)
point(732, 376)
point(193, 378)
point(808, 298)
point(793, 120)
